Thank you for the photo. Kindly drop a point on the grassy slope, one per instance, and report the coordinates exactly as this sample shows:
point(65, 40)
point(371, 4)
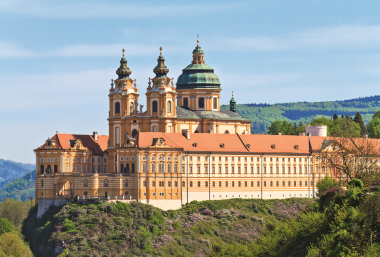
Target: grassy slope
point(262, 115)
point(21, 189)
point(136, 229)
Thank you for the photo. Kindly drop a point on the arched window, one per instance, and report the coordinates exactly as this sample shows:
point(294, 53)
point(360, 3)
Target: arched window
point(201, 102)
point(117, 107)
point(155, 106)
point(175, 167)
point(126, 193)
point(169, 167)
point(134, 133)
point(226, 132)
point(85, 183)
point(106, 194)
point(106, 183)
point(85, 192)
point(126, 183)
point(153, 167)
point(169, 106)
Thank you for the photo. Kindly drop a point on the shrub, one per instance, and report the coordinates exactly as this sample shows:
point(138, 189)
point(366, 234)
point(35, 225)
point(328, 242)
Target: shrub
point(176, 225)
point(356, 183)
point(11, 244)
point(6, 226)
point(325, 184)
point(69, 227)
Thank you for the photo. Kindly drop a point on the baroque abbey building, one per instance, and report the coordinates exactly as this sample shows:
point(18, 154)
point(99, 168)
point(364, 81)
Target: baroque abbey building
point(182, 148)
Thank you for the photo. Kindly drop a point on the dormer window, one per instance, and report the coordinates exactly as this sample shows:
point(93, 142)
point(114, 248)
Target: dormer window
point(221, 145)
point(49, 143)
point(248, 146)
point(296, 147)
point(273, 146)
point(195, 145)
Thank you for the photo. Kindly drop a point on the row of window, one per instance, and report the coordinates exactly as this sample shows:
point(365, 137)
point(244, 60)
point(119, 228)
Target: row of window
point(201, 102)
point(73, 160)
point(160, 158)
point(85, 183)
point(161, 168)
point(127, 158)
point(239, 159)
point(239, 184)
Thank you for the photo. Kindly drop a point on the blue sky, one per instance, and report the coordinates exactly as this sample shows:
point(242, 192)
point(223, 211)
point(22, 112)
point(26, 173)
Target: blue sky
point(57, 58)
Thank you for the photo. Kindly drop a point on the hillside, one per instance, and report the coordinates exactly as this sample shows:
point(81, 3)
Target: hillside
point(10, 170)
point(262, 115)
point(21, 189)
point(339, 223)
point(197, 229)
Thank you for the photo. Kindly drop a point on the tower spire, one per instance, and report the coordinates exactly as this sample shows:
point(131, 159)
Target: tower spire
point(161, 70)
point(198, 40)
point(232, 103)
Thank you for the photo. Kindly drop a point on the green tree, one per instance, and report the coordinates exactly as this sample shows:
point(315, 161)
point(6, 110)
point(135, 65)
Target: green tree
point(324, 121)
point(6, 226)
point(284, 127)
point(335, 116)
point(345, 128)
point(376, 115)
point(15, 210)
point(374, 127)
point(12, 244)
point(359, 120)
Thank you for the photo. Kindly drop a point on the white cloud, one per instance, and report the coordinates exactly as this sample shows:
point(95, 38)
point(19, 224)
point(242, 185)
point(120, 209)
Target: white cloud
point(9, 49)
point(109, 9)
point(319, 38)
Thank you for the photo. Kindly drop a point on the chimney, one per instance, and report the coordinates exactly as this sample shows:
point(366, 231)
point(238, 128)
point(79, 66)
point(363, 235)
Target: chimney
point(95, 135)
point(279, 133)
point(186, 133)
point(302, 134)
point(309, 134)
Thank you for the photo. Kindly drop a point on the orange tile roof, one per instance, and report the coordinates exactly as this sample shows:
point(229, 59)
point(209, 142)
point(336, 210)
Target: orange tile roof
point(88, 141)
point(205, 142)
point(280, 143)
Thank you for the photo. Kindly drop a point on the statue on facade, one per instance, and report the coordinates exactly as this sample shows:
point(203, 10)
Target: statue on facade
point(131, 108)
point(141, 107)
point(126, 135)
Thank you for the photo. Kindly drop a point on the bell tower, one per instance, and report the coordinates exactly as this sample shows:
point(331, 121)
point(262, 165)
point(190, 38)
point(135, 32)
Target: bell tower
point(123, 103)
point(160, 98)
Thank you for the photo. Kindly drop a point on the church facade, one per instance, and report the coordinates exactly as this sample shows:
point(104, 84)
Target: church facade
point(181, 148)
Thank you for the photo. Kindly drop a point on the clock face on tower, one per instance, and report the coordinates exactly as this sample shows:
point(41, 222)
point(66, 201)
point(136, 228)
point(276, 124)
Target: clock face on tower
point(118, 85)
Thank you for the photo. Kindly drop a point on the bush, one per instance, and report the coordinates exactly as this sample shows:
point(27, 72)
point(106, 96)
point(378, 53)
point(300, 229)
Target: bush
point(6, 226)
point(325, 184)
point(11, 244)
point(356, 183)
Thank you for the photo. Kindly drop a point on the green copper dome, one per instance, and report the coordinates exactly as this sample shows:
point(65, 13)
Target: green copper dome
point(123, 71)
point(198, 76)
point(161, 70)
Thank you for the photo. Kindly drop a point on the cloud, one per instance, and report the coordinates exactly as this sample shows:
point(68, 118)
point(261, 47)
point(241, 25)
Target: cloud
point(114, 9)
point(345, 37)
point(9, 49)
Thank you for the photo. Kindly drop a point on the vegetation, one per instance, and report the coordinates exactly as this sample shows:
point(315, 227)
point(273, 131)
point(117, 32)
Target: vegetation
point(11, 240)
point(262, 115)
point(21, 189)
point(197, 229)
point(339, 223)
point(10, 170)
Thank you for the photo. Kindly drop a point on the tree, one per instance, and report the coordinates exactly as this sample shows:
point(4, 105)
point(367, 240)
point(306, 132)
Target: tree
point(359, 120)
point(12, 244)
point(277, 126)
point(376, 115)
point(15, 211)
point(345, 128)
point(335, 116)
point(323, 121)
point(352, 158)
point(6, 226)
point(374, 127)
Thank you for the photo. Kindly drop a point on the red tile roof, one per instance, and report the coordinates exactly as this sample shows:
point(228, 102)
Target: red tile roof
point(276, 143)
point(205, 142)
point(88, 141)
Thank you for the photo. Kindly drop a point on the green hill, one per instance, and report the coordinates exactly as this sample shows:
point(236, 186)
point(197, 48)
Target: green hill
point(21, 189)
point(10, 170)
point(262, 115)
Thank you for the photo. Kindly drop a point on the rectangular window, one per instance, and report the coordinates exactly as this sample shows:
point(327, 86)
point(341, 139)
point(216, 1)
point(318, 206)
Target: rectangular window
point(233, 184)
point(283, 170)
point(162, 194)
point(288, 170)
point(154, 194)
point(232, 170)
point(251, 170)
point(186, 101)
point(239, 169)
point(205, 170)
point(191, 170)
point(226, 170)
point(245, 170)
point(220, 184)
point(215, 103)
point(206, 184)
point(258, 184)
point(265, 183)
point(220, 170)
point(191, 184)
point(213, 170)
point(277, 170)
point(258, 170)
point(265, 170)
point(199, 170)
point(201, 102)
point(199, 184)
point(220, 159)
point(226, 184)
point(271, 170)
point(252, 184)
point(213, 184)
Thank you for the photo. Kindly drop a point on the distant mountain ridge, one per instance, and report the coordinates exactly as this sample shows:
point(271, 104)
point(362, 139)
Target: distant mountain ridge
point(21, 189)
point(262, 115)
point(10, 170)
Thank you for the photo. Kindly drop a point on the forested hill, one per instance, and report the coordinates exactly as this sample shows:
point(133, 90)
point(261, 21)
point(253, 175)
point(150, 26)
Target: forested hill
point(262, 115)
point(10, 170)
point(21, 189)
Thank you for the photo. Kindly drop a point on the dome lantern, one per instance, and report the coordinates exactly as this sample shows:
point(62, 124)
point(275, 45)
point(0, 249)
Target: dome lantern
point(123, 71)
point(161, 70)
